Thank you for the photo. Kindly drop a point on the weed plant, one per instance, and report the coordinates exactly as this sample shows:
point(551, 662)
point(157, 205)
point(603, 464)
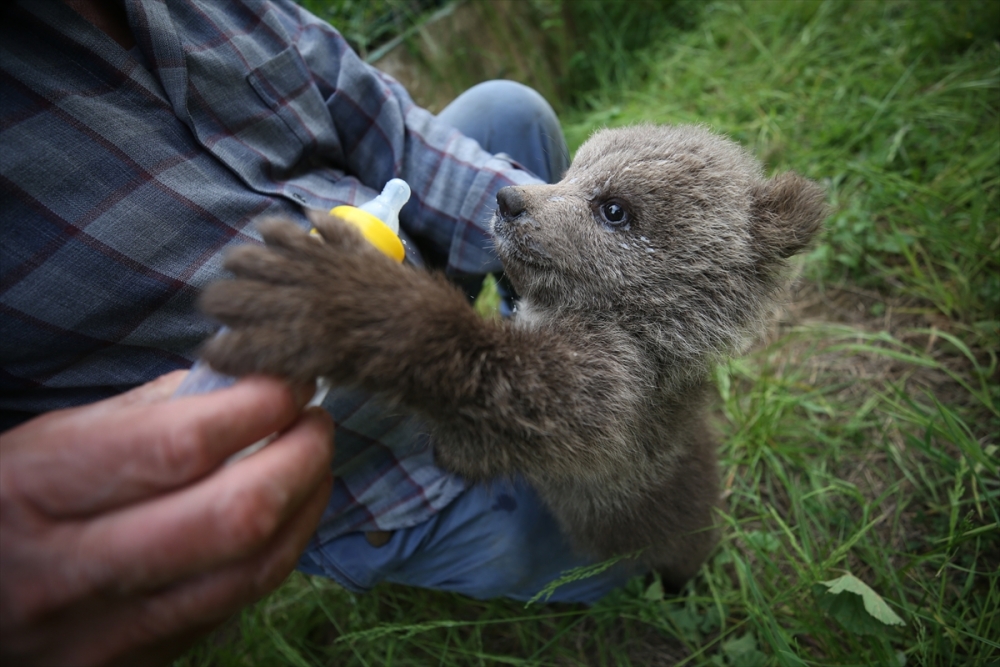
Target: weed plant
point(860, 445)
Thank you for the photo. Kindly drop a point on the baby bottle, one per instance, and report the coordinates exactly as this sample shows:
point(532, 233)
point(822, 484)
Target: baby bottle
point(378, 222)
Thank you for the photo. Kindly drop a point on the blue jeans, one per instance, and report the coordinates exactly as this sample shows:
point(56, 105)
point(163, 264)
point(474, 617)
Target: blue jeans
point(510, 118)
point(496, 539)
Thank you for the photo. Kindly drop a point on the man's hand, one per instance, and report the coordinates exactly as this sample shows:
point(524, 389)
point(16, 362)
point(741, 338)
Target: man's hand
point(122, 540)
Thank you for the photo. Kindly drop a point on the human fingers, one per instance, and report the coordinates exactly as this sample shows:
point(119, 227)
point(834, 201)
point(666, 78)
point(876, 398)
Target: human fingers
point(211, 598)
point(219, 520)
point(154, 391)
point(78, 462)
point(153, 627)
point(165, 651)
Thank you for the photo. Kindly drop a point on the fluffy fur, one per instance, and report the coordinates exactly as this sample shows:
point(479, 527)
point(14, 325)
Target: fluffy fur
point(661, 249)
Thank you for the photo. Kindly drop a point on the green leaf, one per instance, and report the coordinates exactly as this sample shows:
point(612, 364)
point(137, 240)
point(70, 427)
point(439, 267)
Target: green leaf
point(711, 620)
point(685, 622)
point(855, 605)
point(655, 591)
point(743, 652)
point(763, 541)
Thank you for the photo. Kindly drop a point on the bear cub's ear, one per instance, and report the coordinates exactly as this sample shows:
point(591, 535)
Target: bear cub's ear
point(786, 213)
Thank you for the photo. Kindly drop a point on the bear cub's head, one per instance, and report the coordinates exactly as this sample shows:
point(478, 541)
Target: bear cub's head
point(673, 232)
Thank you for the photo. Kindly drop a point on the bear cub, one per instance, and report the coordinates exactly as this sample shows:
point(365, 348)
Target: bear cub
point(661, 250)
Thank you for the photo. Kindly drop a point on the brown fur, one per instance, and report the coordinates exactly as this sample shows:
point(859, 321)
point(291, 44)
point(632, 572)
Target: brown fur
point(596, 390)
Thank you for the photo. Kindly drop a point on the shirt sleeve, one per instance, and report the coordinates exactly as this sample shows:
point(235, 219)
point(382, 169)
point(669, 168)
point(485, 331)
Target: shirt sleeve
point(383, 134)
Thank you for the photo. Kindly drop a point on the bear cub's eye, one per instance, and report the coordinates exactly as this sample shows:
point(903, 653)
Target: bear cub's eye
point(614, 213)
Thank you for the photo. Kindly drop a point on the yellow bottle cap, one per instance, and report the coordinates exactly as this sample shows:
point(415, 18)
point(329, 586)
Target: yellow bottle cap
point(373, 229)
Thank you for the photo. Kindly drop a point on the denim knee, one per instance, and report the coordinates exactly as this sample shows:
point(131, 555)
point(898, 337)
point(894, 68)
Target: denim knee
point(511, 118)
point(495, 540)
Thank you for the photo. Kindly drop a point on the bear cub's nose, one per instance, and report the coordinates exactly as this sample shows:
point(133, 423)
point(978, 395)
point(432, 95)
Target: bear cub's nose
point(511, 202)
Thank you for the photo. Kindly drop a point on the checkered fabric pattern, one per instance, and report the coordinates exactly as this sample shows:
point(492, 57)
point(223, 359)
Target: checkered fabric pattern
point(125, 174)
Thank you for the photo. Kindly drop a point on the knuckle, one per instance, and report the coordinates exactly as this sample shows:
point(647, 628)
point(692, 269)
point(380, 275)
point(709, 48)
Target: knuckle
point(273, 572)
point(270, 577)
point(184, 453)
point(321, 438)
point(284, 400)
point(248, 518)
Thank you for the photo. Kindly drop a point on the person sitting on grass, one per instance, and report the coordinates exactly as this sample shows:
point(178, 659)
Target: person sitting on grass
point(139, 141)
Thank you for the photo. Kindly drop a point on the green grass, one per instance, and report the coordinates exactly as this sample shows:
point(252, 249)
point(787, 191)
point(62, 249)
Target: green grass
point(369, 24)
point(862, 440)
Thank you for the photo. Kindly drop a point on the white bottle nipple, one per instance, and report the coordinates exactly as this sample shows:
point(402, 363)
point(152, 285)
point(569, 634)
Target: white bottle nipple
point(387, 205)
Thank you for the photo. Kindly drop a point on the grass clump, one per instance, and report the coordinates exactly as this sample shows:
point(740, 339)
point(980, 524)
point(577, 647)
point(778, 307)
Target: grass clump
point(604, 45)
point(860, 454)
point(369, 24)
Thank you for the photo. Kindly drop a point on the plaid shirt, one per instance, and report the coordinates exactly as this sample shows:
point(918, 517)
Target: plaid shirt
point(125, 174)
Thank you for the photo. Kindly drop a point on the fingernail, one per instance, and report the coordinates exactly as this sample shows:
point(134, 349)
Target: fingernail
point(326, 420)
point(304, 393)
point(318, 411)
